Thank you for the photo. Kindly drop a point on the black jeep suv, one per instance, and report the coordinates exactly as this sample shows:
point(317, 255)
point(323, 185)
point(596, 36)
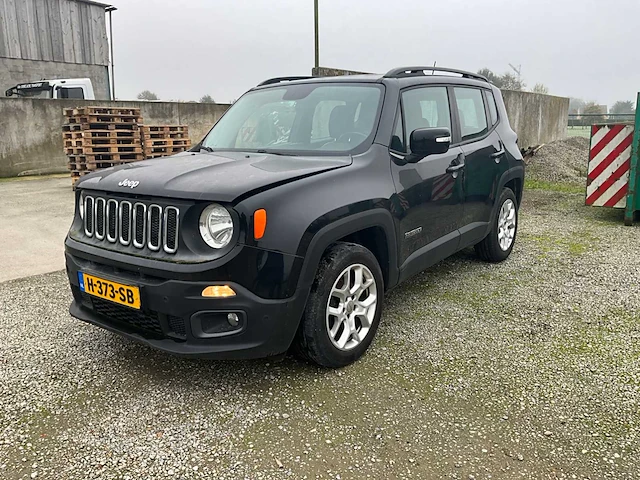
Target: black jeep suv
point(304, 204)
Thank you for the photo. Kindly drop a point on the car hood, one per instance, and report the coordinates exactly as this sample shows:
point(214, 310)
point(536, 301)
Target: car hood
point(219, 177)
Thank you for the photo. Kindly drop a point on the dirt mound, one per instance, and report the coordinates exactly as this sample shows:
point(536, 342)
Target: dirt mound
point(561, 161)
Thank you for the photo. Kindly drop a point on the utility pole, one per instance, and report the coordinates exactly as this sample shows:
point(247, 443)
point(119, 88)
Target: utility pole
point(518, 71)
point(111, 9)
point(317, 36)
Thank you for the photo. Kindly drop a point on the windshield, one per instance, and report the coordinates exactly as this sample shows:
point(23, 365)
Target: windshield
point(305, 117)
point(33, 90)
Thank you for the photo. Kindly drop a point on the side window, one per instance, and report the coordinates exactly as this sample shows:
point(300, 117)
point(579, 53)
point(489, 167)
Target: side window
point(397, 140)
point(74, 92)
point(493, 109)
point(425, 108)
point(473, 119)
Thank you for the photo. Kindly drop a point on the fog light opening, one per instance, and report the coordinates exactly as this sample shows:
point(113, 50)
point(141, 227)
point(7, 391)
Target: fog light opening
point(233, 319)
point(218, 291)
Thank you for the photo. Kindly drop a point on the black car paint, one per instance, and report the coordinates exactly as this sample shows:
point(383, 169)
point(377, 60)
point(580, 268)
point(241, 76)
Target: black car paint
point(311, 203)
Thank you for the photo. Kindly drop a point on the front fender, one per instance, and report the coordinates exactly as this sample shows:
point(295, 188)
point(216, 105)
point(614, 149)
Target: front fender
point(327, 230)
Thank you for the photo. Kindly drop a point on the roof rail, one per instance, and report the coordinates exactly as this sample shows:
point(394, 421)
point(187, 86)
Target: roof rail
point(271, 81)
point(413, 71)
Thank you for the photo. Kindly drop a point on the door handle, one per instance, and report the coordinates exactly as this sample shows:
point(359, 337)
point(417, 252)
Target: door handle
point(455, 168)
point(496, 156)
point(457, 164)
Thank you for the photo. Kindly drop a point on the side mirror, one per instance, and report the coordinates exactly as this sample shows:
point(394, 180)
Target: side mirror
point(428, 141)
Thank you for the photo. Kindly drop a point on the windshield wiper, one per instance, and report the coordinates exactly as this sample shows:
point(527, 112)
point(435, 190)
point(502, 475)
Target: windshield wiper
point(272, 152)
point(206, 149)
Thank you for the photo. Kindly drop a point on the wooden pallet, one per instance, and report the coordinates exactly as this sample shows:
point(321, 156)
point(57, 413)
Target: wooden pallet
point(106, 157)
point(147, 135)
point(167, 142)
point(101, 141)
point(166, 128)
point(103, 149)
point(101, 134)
point(169, 149)
point(73, 127)
point(75, 176)
point(92, 119)
point(80, 111)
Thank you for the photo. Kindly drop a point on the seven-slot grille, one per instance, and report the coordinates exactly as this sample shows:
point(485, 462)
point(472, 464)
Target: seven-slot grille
point(136, 224)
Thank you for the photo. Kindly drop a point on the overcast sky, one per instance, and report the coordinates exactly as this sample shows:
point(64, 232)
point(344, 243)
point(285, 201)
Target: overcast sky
point(182, 50)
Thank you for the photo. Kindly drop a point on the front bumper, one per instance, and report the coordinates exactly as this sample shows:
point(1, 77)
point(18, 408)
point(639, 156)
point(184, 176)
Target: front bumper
point(175, 317)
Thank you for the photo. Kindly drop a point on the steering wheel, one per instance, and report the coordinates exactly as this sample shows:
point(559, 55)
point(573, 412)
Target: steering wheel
point(349, 138)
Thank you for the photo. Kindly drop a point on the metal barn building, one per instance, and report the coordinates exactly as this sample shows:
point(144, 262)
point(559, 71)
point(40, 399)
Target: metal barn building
point(50, 39)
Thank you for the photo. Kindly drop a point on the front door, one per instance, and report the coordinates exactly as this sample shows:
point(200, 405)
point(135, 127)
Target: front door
point(428, 203)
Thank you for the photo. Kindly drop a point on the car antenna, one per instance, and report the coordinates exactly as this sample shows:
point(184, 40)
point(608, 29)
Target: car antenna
point(433, 72)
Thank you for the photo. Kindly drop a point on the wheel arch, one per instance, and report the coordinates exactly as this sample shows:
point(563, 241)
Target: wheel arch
point(373, 229)
point(513, 179)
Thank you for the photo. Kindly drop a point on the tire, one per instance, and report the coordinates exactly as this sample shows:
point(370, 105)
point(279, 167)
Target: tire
point(314, 340)
point(490, 249)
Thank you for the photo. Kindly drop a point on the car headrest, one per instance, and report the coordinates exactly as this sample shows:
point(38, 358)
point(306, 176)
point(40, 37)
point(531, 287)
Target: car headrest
point(340, 121)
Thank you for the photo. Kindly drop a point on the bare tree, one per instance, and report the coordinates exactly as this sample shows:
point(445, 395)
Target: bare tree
point(492, 77)
point(511, 82)
point(623, 106)
point(507, 81)
point(594, 111)
point(147, 95)
point(576, 105)
point(540, 88)
point(207, 99)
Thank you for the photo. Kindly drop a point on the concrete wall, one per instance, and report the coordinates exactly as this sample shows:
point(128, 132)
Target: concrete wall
point(31, 129)
point(536, 118)
point(31, 139)
point(14, 71)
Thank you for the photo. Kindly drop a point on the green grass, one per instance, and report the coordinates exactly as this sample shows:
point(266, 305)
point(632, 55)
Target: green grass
point(579, 132)
point(27, 178)
point(532, 184)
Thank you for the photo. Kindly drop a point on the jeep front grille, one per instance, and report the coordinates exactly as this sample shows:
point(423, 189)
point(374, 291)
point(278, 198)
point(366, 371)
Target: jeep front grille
point(152, 226)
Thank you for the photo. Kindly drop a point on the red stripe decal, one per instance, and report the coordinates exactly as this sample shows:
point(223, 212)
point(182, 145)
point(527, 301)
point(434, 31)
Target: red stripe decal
point(609, 159)
point(616, 198)
point(610, 135)
point(608, 182)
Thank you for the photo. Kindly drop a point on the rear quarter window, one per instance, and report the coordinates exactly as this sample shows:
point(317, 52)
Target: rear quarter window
point(493, 108)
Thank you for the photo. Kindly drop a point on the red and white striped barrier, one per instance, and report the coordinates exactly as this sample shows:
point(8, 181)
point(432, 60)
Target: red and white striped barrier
point(609, 163)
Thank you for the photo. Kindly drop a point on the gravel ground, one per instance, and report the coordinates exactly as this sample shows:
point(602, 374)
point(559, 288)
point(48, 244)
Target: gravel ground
point(526, 369)
point(562, 161)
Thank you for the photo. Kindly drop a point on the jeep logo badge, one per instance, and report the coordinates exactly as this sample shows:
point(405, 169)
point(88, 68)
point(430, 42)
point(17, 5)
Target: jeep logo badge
point(129, 183)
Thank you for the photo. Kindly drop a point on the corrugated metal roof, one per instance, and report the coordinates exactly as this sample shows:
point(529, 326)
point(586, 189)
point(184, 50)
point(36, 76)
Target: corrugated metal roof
point(91, 2)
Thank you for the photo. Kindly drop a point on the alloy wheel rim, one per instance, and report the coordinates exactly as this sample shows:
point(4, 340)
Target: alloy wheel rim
point(351, 307)
point(507, 224)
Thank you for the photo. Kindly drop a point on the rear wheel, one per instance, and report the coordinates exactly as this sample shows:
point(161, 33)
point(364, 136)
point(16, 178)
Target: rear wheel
point(344, 307)
point(497, 246)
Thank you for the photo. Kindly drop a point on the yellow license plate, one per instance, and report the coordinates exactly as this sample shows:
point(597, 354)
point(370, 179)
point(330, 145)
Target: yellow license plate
point(108, 290)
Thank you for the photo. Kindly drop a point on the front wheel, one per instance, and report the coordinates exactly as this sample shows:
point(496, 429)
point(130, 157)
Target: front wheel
point(344, 307)
point(497, 246)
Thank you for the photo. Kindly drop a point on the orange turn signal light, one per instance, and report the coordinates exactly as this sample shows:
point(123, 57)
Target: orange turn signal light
point(218, 291)
point(259, 223)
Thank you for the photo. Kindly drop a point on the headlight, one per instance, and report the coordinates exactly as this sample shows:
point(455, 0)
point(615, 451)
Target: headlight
point(81, 206)
point(216, 226)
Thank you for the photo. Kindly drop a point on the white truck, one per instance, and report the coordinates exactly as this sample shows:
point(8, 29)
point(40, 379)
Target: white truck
point(77, 88)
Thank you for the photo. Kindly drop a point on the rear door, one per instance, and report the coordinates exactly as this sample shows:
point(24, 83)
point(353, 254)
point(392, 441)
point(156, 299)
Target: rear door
point(482, 149)
point(428, 201)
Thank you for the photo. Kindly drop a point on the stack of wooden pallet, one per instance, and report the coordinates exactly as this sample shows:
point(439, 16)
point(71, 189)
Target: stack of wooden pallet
point(101, 137)
point(164, 140)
